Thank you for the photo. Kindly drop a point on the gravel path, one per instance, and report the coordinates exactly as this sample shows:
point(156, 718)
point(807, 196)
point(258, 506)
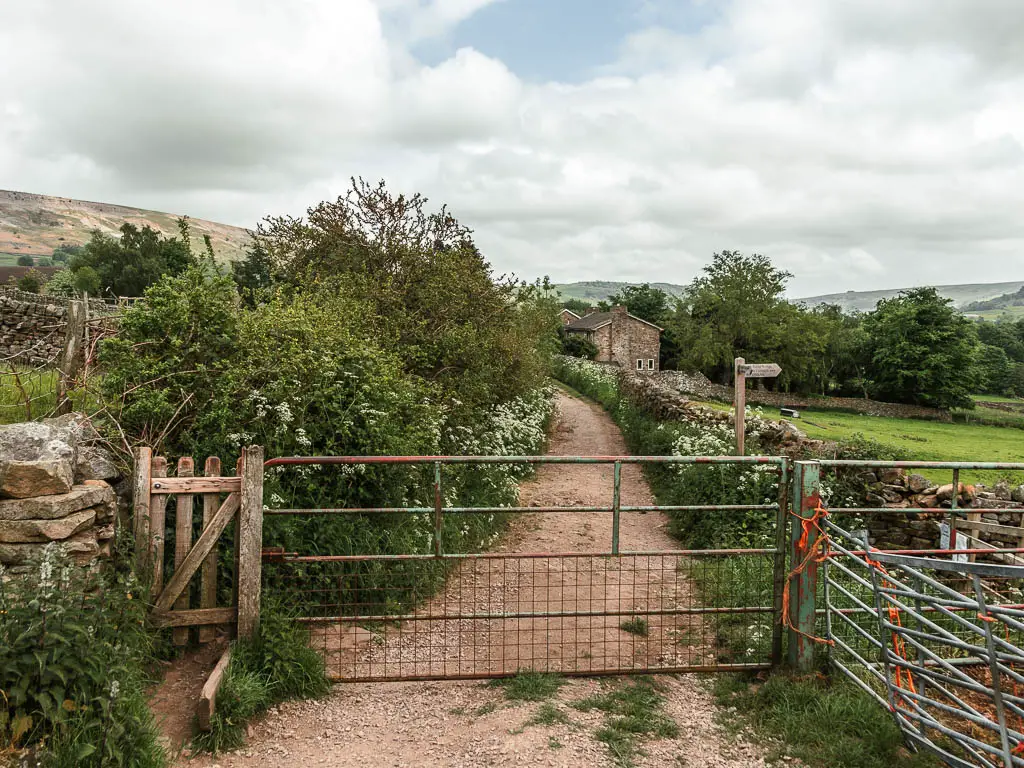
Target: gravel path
point(466, 723)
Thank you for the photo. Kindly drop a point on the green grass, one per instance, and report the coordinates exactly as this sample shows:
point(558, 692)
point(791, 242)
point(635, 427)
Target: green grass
point(997, 399)
point(824, 724)
point(547, 714)
point(921, 440)
point(635, 626)
point(29, 395)
point(633, 711)
point(530, 686)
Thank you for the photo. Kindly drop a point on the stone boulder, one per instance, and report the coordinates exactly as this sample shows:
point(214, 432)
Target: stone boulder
point(918, 483)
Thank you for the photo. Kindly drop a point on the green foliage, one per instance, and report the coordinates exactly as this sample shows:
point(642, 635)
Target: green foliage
point(922, 351)
point(26, 261)
point(579, 306)
point(547, 714)
point(528, 685)
point(633, 710)
point(64, 252)
point(643, 301)
point(31, 282)
point(995, 370)
point(129, 265)
point(73, 651)
point(820, 723)
point(575, 345)
point(61, 283)
point(635, 626)
point(277, 666)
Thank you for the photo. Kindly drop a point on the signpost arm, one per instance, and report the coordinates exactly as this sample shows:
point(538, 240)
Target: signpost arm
point(740, 402)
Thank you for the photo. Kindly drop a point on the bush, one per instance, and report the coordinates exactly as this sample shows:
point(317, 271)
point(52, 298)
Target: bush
point(575, 345)
point(73, 654)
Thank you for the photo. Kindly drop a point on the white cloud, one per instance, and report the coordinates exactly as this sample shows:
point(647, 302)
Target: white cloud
point(867, 144)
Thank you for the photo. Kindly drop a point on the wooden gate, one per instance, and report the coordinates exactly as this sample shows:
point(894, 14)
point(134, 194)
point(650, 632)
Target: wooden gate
point(242, 503)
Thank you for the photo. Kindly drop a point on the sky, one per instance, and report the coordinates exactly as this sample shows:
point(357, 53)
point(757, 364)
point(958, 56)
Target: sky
point(859, 144)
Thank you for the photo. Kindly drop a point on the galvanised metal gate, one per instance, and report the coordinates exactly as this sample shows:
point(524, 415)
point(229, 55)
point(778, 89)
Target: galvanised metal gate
point(439, 614)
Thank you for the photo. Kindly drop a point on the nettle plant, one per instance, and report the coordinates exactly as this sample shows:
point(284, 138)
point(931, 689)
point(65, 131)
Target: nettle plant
point(73, 652)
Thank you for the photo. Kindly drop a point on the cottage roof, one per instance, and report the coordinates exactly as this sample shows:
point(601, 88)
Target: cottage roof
point(596, 320)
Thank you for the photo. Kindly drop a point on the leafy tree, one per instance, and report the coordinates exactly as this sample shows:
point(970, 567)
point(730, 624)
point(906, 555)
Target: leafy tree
point(735, 309)
point(63, 252)
point(643, 301)
point(130, 264)
point(62, 283)
point(995, 370)
point(576, 345)
point(1007, 336)
point(922, 351)
point(26, 261)
point(579, 306)
point(31, 282)
point(254, 274)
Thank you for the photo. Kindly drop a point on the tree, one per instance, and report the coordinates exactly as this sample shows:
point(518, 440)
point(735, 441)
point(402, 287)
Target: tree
point(995, 370)
point(922, 351)
point(130, 264)
point(735, 309)
point(579, 306)
point(26, 261)
point(253, 275)
point(575, 345)
point(643, 301)
point(62, 283)
point(31, 282)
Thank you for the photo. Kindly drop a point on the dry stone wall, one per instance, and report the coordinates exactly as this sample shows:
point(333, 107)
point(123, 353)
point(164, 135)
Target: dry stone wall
point(55, 486)
point(33, 327)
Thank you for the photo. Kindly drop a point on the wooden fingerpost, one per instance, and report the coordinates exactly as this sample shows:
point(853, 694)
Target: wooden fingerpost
point(182, 542)
point(740, 402)
point(157, 527)
point(250, 541)
point(208, 584)
point(142, 478)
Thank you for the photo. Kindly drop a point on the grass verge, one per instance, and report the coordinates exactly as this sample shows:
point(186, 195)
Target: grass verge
point(633, 711)
point(530, 686)
point(820, 722)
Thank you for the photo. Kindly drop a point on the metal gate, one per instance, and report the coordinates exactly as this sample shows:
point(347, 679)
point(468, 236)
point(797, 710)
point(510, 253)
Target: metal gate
point(434, 612)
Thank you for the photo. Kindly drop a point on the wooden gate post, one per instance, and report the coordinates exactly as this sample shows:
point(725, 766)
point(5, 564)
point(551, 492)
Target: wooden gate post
point(739, 388)
point(142, 479)
point(72, 356)
point(803, 582)
point(250, 542)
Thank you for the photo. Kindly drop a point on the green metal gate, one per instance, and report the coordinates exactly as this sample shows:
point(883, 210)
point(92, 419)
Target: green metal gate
point(438, 614)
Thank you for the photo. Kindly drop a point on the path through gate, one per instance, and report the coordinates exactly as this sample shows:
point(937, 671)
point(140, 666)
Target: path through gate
point(614, 604)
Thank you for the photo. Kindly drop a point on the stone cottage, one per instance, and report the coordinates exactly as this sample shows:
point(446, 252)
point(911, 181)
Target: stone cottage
point(567, 316)
point(621, 338)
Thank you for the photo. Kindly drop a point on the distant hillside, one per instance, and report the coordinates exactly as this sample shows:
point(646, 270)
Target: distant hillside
point(36, 224)
point(962, 295)
point(599, 290)
point(1005, 301)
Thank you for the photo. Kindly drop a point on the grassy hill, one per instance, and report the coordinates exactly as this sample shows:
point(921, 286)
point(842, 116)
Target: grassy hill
point(36, 224)
point(599, 290)
point(962, 295)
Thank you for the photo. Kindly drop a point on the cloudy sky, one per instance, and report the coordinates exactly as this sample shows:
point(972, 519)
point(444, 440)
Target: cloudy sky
point(859, 143)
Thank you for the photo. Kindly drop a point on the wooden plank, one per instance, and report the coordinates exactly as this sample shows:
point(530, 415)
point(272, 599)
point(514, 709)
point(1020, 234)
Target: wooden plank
point(208, 586)
point(182, 541)
point(204, 545)
point(195, 617)
point(740, 404)
point(250, 542)
point(140, 504)
point(197, 485)
point(208, 698)
point(980, 525)
point(157, 526)
point(972, 517)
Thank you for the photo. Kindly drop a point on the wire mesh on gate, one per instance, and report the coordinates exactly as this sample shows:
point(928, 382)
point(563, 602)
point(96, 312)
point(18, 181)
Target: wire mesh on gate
point(417, 595)
point(940, 643)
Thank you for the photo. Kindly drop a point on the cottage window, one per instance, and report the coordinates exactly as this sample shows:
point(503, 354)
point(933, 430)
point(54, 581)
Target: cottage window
point(650, 364)
point(639, 365)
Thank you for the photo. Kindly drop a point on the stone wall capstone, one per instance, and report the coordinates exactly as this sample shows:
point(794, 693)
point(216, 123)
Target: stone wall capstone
point(55, 486)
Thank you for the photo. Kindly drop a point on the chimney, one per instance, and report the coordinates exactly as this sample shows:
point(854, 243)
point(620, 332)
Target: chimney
point(619, 310)
point(590, 311)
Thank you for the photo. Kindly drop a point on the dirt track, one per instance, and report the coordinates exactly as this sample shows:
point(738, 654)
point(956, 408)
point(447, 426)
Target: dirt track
point(466, 723)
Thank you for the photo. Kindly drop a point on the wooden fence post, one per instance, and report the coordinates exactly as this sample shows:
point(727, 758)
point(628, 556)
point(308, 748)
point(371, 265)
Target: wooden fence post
point(140, 523)
point(182, 542)
point(250, 541)
point(208, 584)
point(157, 526)
point(72, 356)
point(740, 402)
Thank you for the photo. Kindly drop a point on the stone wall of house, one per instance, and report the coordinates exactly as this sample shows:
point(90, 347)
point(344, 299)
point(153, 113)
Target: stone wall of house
point(602, 338)
point(698, 385)
point(56, 485)
point(621, 338)
point(33, 327)
point(904, 528)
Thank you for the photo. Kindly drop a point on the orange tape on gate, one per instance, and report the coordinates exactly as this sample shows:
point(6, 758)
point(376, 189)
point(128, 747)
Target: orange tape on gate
point(904, 679)
point(819, 552)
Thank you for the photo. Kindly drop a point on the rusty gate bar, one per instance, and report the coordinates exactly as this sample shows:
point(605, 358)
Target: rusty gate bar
point(661, 584)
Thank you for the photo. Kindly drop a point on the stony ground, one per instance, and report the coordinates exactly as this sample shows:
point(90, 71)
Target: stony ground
point(469, 723)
